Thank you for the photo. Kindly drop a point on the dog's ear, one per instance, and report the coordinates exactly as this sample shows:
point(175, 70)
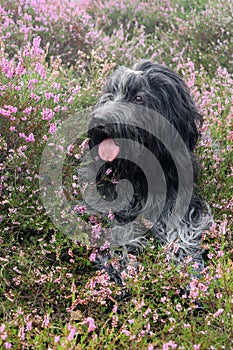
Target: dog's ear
point(171, 98)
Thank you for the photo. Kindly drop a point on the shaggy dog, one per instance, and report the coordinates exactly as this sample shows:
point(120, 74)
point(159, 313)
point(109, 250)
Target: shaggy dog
point(142, 135)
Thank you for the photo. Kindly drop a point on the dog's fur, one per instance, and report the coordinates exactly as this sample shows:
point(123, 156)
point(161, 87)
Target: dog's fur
point(142, 92)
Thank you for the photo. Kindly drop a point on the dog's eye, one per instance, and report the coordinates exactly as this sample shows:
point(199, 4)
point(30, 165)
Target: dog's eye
point(138, 99)
point(107, 98)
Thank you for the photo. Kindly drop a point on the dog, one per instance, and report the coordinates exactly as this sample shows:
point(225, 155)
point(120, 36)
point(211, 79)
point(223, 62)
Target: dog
point(142, 134)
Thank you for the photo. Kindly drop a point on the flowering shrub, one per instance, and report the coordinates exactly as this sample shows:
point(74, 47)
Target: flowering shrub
point(65, 25)
point(214, 98)
point(53, 61)
point(166, 29)
point(34, 99)
point(31, 98)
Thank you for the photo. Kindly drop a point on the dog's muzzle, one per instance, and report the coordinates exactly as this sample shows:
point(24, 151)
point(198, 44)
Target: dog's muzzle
point(102, 136)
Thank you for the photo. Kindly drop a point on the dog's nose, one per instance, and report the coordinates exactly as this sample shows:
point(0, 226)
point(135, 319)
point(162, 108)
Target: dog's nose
point(99, 121)
point(99, 126)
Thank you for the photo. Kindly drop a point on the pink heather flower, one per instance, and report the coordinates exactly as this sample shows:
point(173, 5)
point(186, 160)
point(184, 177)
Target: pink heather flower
point(108, 171)
point(30, 138)
point(196, 347)
point(220, 253)
point(36, 50)
point(77, 156)
point(72, 333)
point(57, 108)
point(70, 100)
point(46, 321)
point(52, 128)
point(218, 313)
point(178, 307)
point(28, 325)
point(93, 219)
point(70, 149)
point(7, 345)
point(2, 328)
point(12, 128)
point(11, 109)
point(84, 145)
point(21, 333)
point(115, 308)
point(127, 333)
point(47, 114)
point(114, 181)
point(111, 216)
point(218, 295)
point(4, 112)
point(195, 265)
point(91, 326)
point(4, 336)
point(35, 97)
point(2, 331)
point(194, 291)
point(70, 252)
point(56, 85)
point(168, 345)
point(20, 69)
point(96, 229)
point(27, 110)
point(22, 135)
point(105, 246)
point(56, 338)
point(148, 310)
point(40, 69)
point(92, 257)
point(230, 136)
point(31, 82)
point(80, 208)
point(150, 347)
point(56, 98)
point(186, 325)
point(48, 95)
point(114, 321)
point(10, 72)
point(155, 316)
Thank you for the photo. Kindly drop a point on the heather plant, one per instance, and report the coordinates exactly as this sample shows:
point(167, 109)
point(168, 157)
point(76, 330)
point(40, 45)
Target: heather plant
point(30, 99)
point(54, 59)
point(65, 25)
point(214, 98)
point(207, 36)
point(169, 29)
point(34, 99)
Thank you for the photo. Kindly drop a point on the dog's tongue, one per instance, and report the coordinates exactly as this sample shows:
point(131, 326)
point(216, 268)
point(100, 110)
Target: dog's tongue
point(108, 150)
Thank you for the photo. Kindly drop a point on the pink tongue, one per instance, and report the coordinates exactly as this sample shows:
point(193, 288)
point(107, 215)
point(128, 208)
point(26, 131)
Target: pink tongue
point(108, 150)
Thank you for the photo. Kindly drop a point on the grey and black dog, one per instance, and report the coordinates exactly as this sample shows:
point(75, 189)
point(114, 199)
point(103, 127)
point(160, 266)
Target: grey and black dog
point(142, 135)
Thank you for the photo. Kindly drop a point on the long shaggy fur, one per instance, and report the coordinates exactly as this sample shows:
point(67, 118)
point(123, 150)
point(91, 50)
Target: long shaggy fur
point(158, 90)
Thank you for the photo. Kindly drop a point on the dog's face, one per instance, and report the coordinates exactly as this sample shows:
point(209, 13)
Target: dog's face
point(146, 85)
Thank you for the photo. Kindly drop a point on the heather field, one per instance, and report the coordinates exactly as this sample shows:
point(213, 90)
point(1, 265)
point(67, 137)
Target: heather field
point(54, 58)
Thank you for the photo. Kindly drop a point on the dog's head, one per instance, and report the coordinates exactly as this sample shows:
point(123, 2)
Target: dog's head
point(147, 85)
